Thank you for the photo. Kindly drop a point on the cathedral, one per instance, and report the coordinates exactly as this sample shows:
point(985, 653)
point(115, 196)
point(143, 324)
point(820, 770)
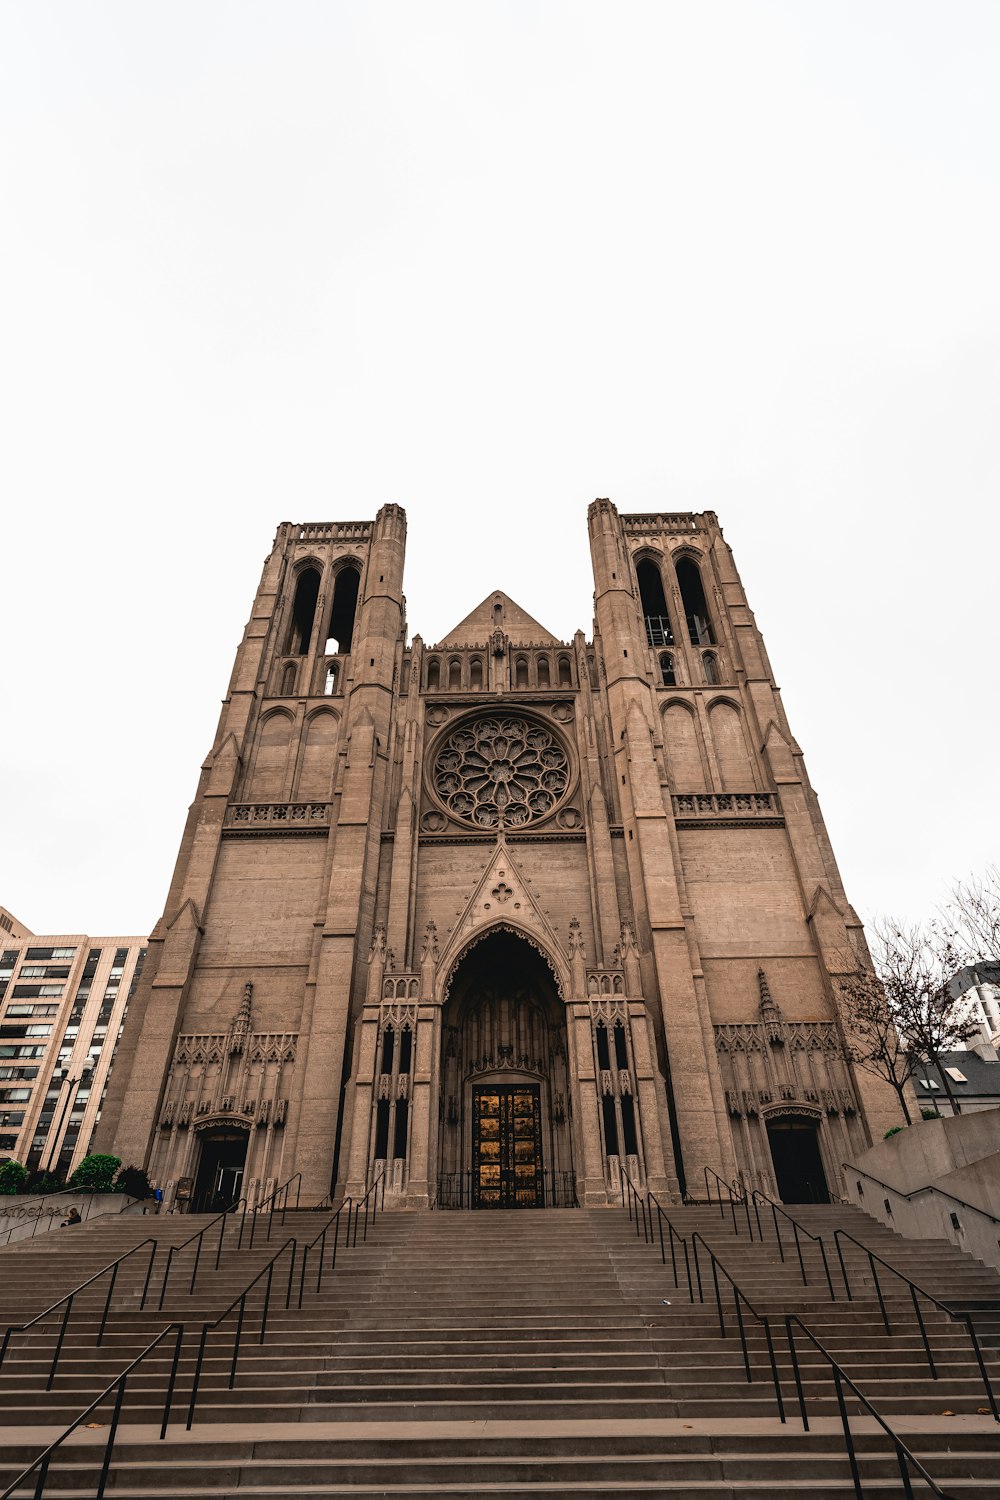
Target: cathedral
point(506, 918)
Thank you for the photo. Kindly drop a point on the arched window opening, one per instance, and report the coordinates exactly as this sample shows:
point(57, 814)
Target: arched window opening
point(711, 669)
point(404, 677)
point(521, 672)
point(454, 674)
point(695, 606)
point(667, 674)
point(433, 673)
point(603, 1050)
point(288, 680)
point(565, 672)
point(610, 1125)
point(345, 605)
point(331, 679)
point(388, 1044)
point(654, 604)
point(476, 672)
point(303, 612)
point(621, 1050)
point(405, 1049)
point(594, 680)
point(542, 669)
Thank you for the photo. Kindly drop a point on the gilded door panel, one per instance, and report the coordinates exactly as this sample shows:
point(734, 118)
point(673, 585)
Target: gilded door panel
point(507, 1146)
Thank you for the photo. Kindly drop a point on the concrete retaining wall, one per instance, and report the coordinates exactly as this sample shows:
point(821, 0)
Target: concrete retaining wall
point(22, 1218)
point(926, 1168)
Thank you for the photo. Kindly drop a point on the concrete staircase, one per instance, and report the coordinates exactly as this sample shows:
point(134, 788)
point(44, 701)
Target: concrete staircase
point(522, 1353)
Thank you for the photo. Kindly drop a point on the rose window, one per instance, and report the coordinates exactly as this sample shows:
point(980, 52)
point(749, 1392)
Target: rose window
point(501, 770)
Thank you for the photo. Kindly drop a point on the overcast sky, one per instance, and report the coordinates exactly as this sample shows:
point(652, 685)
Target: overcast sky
point(288, 262)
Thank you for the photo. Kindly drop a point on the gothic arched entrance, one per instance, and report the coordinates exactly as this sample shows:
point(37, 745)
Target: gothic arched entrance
point(504, 1128)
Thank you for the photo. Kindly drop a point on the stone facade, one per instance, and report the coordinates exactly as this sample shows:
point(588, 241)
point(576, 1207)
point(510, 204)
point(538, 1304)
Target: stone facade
point(505, 913)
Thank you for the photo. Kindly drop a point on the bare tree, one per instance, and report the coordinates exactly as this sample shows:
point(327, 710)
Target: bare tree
point(878, 1046)
point(972, 917)
point(916, 965)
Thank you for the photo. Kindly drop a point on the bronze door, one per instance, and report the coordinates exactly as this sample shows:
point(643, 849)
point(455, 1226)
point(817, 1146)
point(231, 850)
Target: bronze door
point(507, 1146)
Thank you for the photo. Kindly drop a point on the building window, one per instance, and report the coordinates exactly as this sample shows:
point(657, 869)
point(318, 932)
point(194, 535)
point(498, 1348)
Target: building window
point(711, 664)
point(667, 674)
point(303, 612)
point(653, 602)
point(342, 616)
point(695, 607)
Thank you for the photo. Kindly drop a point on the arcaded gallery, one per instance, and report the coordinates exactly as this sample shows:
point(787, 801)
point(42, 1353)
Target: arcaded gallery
point(505, 918)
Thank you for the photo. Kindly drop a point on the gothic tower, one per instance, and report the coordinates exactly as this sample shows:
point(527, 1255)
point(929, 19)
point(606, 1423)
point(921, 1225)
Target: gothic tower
point(505, 917)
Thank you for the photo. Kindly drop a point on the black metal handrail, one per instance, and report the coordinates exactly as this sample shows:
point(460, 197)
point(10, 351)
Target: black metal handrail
point(269, 1203)
point(736, 1195)
point(797, 1229)
point(199, 1236)
point(740, 1300)
point(118, 1384)
point(112, 1266)
point(840, 1378)
point(363, 1204)
point(928, 1187)
point(642, 1209)
point(455, 1190)
point(241, 1303)
point(915, 1292)
point(320, 1239)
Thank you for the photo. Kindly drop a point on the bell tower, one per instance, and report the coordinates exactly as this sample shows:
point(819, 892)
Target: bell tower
point(277, 871)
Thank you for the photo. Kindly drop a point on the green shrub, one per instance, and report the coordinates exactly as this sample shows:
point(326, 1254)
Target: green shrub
point(43, 1182)
point(894, 1131)
point(928, 1112)
point(133, 1180)
point(96, 1174)
point(12, 1176)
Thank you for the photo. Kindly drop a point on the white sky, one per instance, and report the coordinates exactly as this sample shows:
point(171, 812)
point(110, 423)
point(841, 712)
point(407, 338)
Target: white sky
point(290, 261)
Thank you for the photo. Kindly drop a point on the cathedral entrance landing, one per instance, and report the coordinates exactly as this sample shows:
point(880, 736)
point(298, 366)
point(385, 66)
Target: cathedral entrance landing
point(504, 1119)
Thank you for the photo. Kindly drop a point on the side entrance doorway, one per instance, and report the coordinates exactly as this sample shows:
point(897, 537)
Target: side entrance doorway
point(507, 1146)
point(798, 1165)
point(220, 1170)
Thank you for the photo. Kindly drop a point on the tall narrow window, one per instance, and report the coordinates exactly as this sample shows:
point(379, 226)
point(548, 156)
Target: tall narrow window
point(667, 674)
point(521, 672)
point(288, 680)
point(388, 1043)
point(628, 1126)
point(476, 673)
point(399, 1135)
point(542, 670)
point(455, 674)
point(303, 612)
point(654, 604)
point(621, 1050)
point(345, 605)
point(405, 1049)
point(603, 1050)
point(433, 673)
point(565, 672)
point(382, 1130)
point(331, 679)
point(695, 606)
point(711, 668)
point(610, 1125)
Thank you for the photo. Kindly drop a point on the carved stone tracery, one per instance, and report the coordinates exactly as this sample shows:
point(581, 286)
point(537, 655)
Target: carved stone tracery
point(501, 770)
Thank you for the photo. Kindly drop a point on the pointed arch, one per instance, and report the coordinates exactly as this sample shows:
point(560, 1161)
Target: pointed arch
point(268, 778)
point(653, 600)
point(448, 969)
point(347, 583)
point(476, 673)
point(692, 590)
point(319, 753)
point(682, 742)
point(300, 626)
point(542, 671)
point(731, 749)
